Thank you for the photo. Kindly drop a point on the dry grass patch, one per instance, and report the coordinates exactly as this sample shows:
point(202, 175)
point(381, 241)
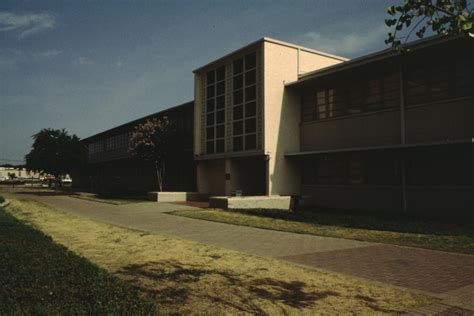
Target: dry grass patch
point(188, 277)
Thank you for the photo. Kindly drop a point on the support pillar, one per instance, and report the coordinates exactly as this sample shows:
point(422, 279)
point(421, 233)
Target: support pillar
point(228, 175)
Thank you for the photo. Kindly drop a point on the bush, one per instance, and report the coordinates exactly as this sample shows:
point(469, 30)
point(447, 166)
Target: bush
point(2, 199)
point(38, 276)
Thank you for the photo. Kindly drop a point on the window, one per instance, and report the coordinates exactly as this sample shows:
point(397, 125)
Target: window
point(96, 147)
point(356, 96)
point(215, 110)
point(428, 80)
point(353, 169)
point(244, 104)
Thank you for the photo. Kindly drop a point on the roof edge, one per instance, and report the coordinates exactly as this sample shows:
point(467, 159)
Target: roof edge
point(136, 120)
point(375, 56)
point(269, 40)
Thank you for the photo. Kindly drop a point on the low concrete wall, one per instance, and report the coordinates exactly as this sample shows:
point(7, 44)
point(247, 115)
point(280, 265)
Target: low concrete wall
point(176, 196)
point(250, 202)
point(5, 203)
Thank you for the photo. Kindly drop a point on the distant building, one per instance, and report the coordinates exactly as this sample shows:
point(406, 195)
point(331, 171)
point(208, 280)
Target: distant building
point(113, 170)
point(19, 172)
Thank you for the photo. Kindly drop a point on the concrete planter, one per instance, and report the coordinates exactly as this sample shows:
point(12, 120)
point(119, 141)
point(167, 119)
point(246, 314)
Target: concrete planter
point(5, 203)
point(177, 196)
point(250, 202)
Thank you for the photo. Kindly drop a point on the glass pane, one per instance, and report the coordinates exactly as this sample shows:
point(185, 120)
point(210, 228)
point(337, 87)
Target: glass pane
point(221, 88)
point(210, 147)
point(220, 146)
point(210, 91)
point(250, 78)
point(238, 143)
point(210, 119)
point(238, 128)
point(250, 61)
point(210, 105)
point(220, 117)
point(250, 126)
point(220, 73)
point(250, 142)
point(238, 82)
point(220, 104)
point(210, 77)
point(250, 93)
point(210, 133)
point(238, 66)
point(238, 97)
point(219, 131)
point(250, 109)
point(238, 112)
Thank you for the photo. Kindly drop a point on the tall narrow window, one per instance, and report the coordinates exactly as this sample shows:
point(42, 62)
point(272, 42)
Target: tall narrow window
point(215, 110)
point(244, 103)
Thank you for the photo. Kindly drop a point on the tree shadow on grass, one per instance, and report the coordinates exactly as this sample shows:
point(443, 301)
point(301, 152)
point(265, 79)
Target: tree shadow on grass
point(170, 282)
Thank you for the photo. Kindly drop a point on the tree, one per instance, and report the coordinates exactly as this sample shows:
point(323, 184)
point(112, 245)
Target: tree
point(12, 177)
point(55, 152)
point(444, 17)
point(152, 141)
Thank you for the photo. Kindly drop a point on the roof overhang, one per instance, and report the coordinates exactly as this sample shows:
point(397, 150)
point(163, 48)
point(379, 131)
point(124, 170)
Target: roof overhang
point(387, 147)
point(241, 154)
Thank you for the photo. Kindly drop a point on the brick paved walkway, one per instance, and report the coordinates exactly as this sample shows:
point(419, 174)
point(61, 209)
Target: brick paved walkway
point(426, 270)
point(448, 276)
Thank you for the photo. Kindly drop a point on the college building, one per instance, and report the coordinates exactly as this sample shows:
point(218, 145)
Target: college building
point(390, 132)
point(113, 170)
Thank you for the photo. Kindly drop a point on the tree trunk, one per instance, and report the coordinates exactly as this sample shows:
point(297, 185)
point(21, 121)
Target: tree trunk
point(159, 176)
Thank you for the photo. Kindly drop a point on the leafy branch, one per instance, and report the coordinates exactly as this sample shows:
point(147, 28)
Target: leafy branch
point(444, 17)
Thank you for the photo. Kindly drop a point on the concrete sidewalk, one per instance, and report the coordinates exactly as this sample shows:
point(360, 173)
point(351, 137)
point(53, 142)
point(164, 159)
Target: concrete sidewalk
point(448, 276)
point(151, 217)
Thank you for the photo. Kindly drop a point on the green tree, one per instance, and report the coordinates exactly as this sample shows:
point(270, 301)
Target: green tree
point(55, 152)
point(12, 177)
point(444, 17)
point(152, 141)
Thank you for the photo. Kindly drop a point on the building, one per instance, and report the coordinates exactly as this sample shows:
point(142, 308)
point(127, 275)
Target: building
point(19, 172)
point(113, 170)
point(245, 119)
point(390, 132)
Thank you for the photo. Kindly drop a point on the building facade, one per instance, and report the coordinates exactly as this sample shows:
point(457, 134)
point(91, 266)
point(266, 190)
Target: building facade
point(113, 170)
point(241, 114)
point(391, 132)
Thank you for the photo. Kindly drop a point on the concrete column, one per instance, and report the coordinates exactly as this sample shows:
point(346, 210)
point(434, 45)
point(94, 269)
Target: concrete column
point(403, 135)
point(228, 175)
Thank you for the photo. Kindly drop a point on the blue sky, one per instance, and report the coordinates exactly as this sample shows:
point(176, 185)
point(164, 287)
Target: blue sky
point(88, 66)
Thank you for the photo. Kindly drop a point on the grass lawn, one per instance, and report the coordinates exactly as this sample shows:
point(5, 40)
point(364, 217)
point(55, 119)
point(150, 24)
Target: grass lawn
point(38, 276)
point(392, 230)
point(187, 277)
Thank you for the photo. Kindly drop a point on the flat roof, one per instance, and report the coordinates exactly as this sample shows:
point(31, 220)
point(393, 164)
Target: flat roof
point(136, 121)
point(370, 58)
point(269, 40)
point(398, 146)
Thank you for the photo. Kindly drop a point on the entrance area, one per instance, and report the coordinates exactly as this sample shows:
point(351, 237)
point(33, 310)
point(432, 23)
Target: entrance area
point(228, 176)
point(247, 175)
